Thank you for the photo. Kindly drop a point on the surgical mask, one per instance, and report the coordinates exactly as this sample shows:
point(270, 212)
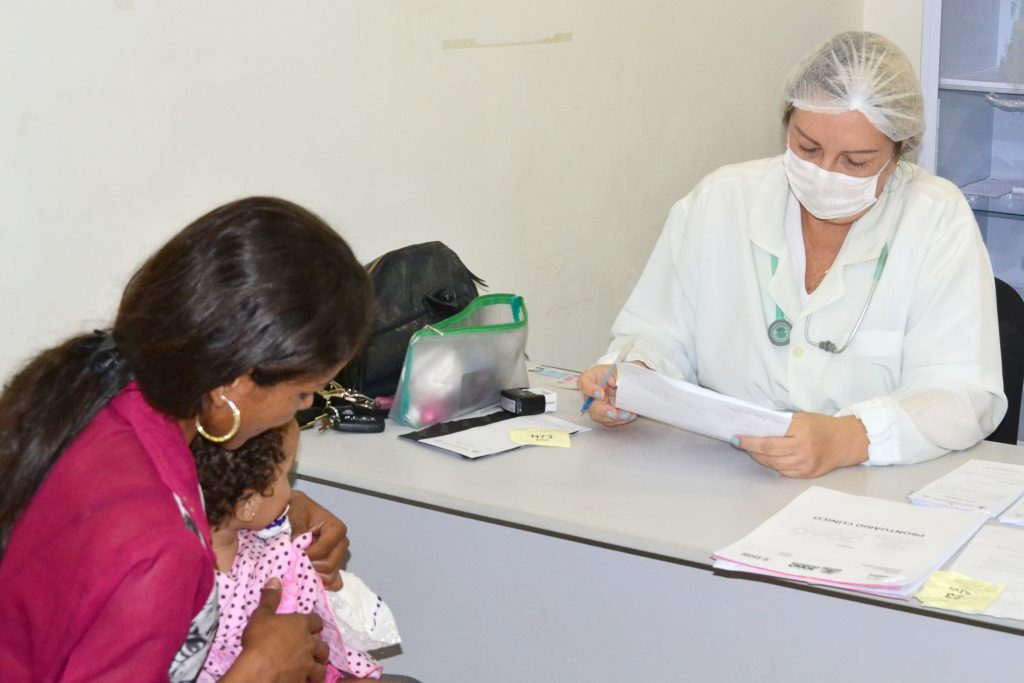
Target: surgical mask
point(828, 195)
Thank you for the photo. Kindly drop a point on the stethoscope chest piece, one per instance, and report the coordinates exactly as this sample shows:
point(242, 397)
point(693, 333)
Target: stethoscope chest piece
point(780, 329)
point(779, 332)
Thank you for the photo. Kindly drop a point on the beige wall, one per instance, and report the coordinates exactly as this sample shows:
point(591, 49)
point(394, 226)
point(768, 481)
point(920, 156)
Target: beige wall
point(543, 141)
point(899, 20)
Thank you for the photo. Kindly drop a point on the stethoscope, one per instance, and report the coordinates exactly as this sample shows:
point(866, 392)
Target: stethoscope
point(780, 330)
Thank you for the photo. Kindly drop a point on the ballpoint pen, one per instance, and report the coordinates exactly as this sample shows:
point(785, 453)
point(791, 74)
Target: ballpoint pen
point(608, 374)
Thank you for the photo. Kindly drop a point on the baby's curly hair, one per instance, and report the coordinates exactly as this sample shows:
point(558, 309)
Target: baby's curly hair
point(226, 477)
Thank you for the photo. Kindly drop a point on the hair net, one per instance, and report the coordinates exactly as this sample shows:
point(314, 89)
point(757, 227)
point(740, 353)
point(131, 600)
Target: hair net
point(865, 72)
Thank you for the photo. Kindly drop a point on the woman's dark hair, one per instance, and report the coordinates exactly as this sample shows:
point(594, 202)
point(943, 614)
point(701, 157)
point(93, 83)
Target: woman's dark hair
point(228, 477)
point(259, 285)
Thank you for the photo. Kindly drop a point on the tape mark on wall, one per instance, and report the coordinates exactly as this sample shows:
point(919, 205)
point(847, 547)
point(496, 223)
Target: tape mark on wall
point(472, 44)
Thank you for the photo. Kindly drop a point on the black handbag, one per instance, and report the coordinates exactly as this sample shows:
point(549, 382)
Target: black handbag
point(415, 286)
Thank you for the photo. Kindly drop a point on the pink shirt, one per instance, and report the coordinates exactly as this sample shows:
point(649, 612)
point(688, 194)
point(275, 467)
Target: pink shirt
point(108, 575)
point(301, 591)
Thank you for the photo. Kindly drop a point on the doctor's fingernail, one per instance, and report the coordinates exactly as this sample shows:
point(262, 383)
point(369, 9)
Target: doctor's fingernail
point(610, 414)
point(735, 441)
point(623, 415)
point(598, 394)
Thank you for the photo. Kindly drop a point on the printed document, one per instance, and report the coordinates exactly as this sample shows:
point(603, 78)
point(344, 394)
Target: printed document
point(694, 408)
point(494, 438)
point(1015, 515)
point(996, 554)
point(854, 542)
point(977, 485)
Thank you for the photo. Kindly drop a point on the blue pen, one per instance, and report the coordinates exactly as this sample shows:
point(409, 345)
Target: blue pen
point(608, 374)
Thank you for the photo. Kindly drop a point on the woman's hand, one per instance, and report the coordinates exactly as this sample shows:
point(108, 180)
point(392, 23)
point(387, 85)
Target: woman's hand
point(603, 409)
point(330, 537)
point(282, 648)
point(813, 445)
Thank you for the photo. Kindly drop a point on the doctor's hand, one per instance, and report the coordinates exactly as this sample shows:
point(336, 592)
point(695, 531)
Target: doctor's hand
point(330, 537)
point(602, 409)
point(813, 445)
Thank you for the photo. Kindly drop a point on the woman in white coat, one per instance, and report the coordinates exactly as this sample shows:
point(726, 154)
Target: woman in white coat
point(836, 281)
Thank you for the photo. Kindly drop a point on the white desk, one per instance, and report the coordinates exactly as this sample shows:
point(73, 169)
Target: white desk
point(593, 563)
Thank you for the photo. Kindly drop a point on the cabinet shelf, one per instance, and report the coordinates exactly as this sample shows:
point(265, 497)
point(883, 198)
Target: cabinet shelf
point(996, 195)
point(988, 80)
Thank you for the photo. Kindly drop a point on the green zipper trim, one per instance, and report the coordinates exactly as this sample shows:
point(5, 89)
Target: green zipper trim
point(450, 325)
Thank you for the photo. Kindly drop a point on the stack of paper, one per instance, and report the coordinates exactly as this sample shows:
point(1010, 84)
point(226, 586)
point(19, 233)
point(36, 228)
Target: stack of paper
point(494, 437)
point(694, 408)
point(1014, 515)
point(857, 543)
point(996, 555)
point(975, 486)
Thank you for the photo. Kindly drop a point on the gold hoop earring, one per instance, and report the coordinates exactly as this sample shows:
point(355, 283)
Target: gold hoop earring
point(236, 414)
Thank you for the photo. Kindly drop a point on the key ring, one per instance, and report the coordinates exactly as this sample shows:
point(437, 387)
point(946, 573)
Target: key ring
point(341, 409)
point(335, 390)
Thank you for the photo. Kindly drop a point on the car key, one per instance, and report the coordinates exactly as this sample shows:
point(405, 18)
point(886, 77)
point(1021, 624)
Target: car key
point(350, 419)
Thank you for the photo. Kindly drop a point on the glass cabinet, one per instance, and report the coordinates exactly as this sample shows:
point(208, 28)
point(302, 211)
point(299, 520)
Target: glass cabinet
point(979, 120)
point(973, 76)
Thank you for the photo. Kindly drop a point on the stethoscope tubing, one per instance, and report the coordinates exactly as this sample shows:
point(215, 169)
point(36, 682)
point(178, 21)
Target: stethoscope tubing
point(829, 345)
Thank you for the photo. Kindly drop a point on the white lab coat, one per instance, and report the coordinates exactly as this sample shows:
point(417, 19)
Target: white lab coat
point(923, 373)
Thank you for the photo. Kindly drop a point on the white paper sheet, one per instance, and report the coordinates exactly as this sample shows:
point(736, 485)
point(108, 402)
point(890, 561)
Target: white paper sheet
point(853, 542)
point(977, 485)
point(1015, 515)
point(896, 592)
point(694, 408)
point(558, 377)
point(996, 554)
point(493, 438)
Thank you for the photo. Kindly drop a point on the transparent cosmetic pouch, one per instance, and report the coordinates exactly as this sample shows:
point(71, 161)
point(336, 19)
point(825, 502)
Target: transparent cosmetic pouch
point(462, 363)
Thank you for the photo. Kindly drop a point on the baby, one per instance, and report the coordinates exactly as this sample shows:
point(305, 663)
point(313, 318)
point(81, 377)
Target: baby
point(246, 494)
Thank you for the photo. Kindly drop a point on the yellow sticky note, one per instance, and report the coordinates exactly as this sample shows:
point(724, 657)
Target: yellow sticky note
point(951, 590)
point(539, 437)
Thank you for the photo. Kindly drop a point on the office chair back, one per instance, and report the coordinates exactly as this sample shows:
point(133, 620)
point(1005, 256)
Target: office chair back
point(1010, 309)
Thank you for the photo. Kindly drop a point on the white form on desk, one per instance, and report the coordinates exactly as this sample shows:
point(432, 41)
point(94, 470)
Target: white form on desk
point(694, 408)
point(858, 543)
point(1015, 515)
point(976, 486)
point(996, 554)
point(493, 438)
